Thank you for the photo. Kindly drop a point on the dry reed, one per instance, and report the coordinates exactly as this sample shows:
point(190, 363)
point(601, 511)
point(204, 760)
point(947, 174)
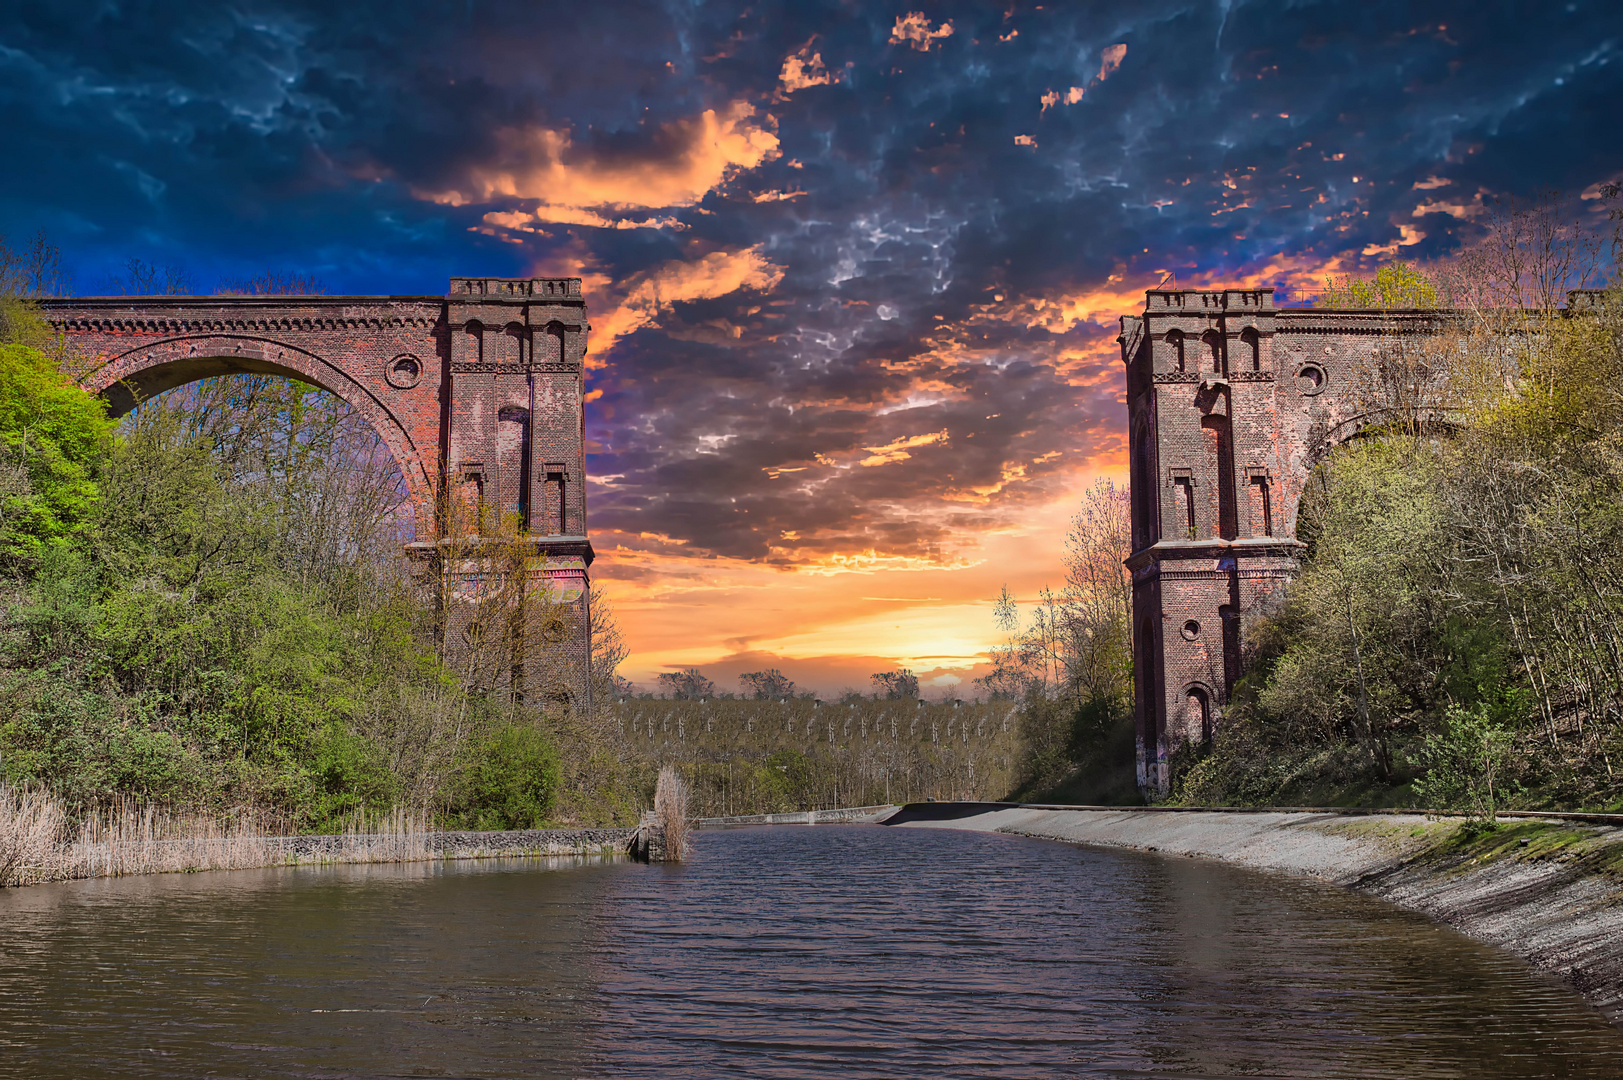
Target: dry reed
point(128, 838)
point(671, 808)
point(32, 827)
point(39, 842)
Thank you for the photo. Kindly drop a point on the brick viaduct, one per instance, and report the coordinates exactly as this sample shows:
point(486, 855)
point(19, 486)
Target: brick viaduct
point(477, 393)
point(1231, 402)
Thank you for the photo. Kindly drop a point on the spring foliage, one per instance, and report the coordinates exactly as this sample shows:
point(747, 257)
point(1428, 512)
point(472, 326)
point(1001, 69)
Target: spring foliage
point(1452, 637)
point(205, 606)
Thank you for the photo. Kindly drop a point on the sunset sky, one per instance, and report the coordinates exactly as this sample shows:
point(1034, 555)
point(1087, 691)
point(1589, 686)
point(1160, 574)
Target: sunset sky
point(854, 269)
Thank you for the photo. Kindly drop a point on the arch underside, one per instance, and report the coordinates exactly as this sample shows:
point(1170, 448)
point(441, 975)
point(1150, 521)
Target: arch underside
point(123, 396)
point(135, 376)
point(1370, 423)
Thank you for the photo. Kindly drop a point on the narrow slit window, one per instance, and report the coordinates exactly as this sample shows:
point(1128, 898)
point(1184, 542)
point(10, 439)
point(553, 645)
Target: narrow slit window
point(1262, 506)
point(1186, 487)
point(557, 517)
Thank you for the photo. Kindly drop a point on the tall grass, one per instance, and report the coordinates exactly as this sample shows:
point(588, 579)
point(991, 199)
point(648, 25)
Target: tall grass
point(40, 841)
point(127, 838)
point(671, 808)
point(32, 826)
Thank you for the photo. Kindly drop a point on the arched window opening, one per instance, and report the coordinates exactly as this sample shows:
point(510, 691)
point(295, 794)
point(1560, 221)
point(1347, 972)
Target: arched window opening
point(1198, 714)
point(1253, 347)
point(556, 500)
point(1262, 505)
point(476, 341)
point(1175, 343)
point(513, 451)
point(1214, 345)
point(554, 342)
point(1145, 668)
point(1144, 490)
point(1231, 647)
point(513, 345)
point(1220, 448)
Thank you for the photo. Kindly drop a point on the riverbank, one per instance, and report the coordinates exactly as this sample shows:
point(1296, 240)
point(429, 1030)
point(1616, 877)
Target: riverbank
point(1549, 891)
point(843, 815)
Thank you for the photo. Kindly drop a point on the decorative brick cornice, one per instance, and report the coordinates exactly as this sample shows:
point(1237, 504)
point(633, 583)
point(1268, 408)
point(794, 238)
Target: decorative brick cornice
point(206, 325)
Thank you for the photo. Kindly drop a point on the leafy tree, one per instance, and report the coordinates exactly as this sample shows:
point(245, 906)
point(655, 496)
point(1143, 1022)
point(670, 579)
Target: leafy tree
point(1465, 760)
point(897, 685)
point(510, 780)
point(768, 685)
point(51, 436)
point(689, 684)
point(1397, 286)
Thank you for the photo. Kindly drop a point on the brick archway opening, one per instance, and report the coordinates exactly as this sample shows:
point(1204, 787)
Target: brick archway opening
point(142, 374)
point(478, 391)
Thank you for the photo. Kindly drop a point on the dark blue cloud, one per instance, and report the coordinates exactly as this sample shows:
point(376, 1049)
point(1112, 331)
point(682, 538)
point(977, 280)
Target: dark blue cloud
point(937, 215)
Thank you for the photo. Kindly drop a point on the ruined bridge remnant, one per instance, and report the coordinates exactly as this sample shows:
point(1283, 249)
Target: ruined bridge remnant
point(1230, 403)
point(477, 394)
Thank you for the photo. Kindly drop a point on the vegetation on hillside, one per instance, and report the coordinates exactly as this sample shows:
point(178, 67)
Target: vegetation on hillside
point(205, 605)
point(1069, 666)
point(1453, 636)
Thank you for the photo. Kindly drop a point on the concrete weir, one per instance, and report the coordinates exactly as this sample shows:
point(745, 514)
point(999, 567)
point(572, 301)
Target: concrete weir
point(1546, 889)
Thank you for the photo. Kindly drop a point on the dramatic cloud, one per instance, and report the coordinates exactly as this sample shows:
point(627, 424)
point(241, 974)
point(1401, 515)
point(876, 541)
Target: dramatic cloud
point(802, 69)
point(854, 271)
point(914, 29)
point(569, 185)
point(646, 295)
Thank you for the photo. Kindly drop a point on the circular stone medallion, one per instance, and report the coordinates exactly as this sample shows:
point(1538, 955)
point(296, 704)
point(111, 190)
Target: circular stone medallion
point(404, 371)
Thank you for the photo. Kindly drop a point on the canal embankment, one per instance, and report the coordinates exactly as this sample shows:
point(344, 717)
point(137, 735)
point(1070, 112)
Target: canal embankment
point(841, 815)
point(1548, 889)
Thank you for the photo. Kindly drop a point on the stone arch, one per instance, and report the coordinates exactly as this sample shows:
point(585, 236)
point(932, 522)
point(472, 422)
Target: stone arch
point(1360, 425)
point(143, 372)
point(1322, 443)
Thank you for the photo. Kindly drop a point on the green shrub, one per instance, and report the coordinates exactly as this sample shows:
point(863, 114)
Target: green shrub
point(509, 780)
point(51, 433)
point(1465, 762)
point(351, 775)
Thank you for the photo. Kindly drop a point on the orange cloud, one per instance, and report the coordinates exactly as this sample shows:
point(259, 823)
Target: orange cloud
point(648, 294)
point(1109, 60)
point(575, 187)
point(802, 69)
point(898, 450)
point(914, 29)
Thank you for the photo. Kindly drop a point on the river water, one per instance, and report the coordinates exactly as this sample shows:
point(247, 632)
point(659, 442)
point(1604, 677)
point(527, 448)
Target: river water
point(787, 951)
